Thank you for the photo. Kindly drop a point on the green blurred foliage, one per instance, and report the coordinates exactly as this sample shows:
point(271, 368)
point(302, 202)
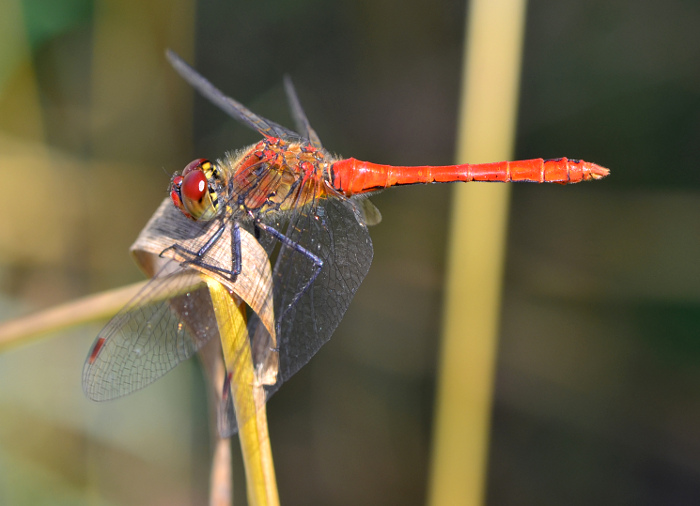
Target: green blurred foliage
point(47, 19)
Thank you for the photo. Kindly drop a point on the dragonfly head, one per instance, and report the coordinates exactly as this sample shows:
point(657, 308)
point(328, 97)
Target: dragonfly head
point(194, 191)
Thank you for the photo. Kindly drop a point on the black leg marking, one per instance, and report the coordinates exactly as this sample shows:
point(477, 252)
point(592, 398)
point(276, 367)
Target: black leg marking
point(197, 257)
point(236, 250)
point(318, 265)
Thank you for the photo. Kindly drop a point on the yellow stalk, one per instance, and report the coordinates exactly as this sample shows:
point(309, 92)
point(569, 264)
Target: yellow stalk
point(476, 254)
point(248, 397)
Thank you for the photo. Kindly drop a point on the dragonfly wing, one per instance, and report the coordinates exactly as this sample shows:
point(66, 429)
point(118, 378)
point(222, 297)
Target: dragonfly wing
point(164, 324)
point(370, 213)
point(301, 121)
point(333, 231)
point(230, 106)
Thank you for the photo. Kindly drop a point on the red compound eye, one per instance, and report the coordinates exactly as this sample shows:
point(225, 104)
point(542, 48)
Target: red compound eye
point(194, 186)
point(175, 191)
point(191, 193)
point(194, 165)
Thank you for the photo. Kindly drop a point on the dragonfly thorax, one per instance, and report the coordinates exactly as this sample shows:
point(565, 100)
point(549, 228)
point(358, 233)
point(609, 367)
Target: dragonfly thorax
point(275, 175)
point(195, 192)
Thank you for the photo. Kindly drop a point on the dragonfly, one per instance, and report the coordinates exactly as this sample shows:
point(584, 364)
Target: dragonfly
point(307, 208)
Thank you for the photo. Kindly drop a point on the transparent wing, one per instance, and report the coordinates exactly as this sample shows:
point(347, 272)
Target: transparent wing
point(164, 324)
point(332, 230)
point(230, 106)
point(370, 213)
point(301, 121)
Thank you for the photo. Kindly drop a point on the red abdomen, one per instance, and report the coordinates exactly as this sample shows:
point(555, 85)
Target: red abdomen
point(353, 176)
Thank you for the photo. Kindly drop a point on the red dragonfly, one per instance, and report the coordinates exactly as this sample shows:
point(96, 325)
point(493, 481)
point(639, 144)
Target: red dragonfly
point(307, 208)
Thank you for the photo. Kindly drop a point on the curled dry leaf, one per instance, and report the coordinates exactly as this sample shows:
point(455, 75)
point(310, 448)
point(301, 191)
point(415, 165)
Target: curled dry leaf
point(153, 249)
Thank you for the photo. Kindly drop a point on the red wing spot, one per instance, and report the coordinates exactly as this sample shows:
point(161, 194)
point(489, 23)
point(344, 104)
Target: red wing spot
point(96, 349)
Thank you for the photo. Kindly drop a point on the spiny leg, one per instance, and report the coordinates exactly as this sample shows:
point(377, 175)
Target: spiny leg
point(197, 257)
point(318, 265)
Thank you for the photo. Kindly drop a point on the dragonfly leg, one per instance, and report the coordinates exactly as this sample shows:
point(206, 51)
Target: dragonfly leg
point(198, 257)
point(318, 265)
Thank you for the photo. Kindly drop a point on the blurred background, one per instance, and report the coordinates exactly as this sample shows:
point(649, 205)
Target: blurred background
point(597, 388)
